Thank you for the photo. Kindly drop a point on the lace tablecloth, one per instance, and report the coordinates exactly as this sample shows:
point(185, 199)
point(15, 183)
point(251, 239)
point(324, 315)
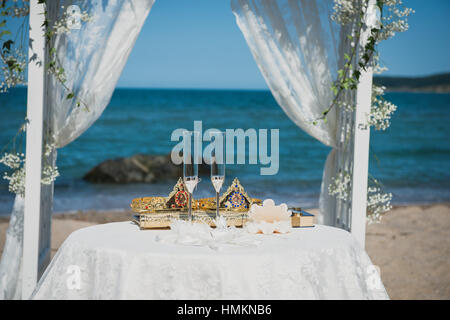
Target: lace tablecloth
point(119, 261)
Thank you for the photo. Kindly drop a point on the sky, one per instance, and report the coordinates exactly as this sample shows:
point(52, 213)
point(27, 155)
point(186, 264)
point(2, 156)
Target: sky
point(197, 44)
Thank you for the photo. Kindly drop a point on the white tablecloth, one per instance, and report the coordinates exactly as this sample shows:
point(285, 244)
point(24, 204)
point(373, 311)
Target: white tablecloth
point(119, 261)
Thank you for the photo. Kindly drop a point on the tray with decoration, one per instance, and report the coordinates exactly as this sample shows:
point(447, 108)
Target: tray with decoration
point(234, 204)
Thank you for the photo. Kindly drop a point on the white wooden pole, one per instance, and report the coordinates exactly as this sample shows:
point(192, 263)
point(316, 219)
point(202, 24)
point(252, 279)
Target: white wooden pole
point(361, 148)
point(35, 115)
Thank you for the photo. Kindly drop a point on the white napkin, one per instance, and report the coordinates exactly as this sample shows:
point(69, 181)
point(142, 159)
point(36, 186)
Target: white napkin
point(200, 234)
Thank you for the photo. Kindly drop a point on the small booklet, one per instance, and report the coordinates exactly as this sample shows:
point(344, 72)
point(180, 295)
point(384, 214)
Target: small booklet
point(302, 219)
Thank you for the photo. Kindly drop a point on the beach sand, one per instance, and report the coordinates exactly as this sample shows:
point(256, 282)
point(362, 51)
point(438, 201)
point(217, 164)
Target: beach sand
point(411, 246)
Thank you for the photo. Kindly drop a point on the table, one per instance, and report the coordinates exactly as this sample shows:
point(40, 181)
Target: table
point(120, 261)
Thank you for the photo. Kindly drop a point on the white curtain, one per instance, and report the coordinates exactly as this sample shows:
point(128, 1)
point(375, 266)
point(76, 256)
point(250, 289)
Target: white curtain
point(299, 49)
point(93, 58)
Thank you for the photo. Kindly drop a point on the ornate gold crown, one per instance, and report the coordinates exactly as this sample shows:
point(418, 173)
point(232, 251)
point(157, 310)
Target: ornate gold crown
point(233, 199)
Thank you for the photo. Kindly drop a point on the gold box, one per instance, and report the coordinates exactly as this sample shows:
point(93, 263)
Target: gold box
point(162, 220)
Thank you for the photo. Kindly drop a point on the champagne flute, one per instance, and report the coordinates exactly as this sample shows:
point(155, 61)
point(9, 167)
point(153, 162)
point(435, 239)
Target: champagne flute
point(190, 164)
point(218, 166)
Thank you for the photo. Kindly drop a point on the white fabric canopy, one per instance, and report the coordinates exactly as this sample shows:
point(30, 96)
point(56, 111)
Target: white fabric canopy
point(93, 58)
point(299, 49)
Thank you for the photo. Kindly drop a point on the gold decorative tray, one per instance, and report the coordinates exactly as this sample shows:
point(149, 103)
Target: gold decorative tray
point(234, 204)
point(163, 220)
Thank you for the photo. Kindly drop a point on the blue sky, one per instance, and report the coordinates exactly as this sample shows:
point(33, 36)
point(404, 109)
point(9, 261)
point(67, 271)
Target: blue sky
point(197, 44)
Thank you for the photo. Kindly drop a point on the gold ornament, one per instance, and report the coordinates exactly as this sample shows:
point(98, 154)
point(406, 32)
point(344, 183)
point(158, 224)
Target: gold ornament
point(234, 199)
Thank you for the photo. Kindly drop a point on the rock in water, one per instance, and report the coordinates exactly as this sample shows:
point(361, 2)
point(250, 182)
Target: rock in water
point(140, 168)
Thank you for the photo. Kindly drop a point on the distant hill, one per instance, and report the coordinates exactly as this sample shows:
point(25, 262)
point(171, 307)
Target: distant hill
point(439, 83)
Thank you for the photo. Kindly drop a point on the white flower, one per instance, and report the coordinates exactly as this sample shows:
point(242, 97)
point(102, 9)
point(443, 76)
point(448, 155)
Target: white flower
point(69, 22)
point(49, 174)
point(48, 148)
point(12, 69)
point(381, 110)
point(395, 18)
point(340, 186)
point(16, 181)
point(269, 218)
point(345, 11)
point(378, 202)
point(13, 161)
point(377, 67)
point(16, 177)
point(269, 212)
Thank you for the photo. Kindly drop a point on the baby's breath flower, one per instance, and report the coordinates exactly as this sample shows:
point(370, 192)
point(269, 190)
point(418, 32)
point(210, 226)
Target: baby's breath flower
point(345, 11)
point(48, 148)
point(12, 69)
point(69, 22)
point(49, 174)
point(381, 110)
point(13, 161)
point(340, 186)
point(378, 202)
point(16, 181)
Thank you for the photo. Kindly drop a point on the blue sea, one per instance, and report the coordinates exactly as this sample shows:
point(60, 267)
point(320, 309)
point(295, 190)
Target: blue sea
point(411, 158)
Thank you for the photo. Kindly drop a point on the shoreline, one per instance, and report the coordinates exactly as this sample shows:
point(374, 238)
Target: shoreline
point(105, 215)
point(411, 245)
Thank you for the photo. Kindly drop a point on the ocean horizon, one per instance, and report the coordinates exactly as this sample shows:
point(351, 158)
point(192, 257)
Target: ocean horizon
point(411, 158)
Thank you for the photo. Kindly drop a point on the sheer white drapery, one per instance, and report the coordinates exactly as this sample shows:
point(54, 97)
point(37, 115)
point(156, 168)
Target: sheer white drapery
point(299, 49)
point(93, 57)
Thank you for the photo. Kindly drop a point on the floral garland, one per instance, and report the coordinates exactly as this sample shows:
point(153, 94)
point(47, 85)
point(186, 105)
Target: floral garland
point(64, 25)
point(392, 19)
point(13, 61)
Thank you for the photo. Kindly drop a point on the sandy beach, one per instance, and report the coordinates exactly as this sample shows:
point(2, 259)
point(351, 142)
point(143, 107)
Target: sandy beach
point(411, 246)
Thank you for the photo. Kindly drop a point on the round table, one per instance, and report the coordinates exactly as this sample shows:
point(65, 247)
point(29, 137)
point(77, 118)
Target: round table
point(120, 261)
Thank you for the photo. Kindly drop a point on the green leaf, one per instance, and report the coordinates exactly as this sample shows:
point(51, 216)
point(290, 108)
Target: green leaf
point(7, 45)
point(5, 33)
point(70, 96)
point(335, 90)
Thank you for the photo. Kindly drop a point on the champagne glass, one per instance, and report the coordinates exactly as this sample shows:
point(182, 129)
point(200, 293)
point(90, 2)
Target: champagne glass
point(190, 164)
point(218, 166)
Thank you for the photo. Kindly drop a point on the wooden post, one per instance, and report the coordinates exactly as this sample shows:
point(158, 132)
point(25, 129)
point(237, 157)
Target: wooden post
point(34, 141)
point(361, 149)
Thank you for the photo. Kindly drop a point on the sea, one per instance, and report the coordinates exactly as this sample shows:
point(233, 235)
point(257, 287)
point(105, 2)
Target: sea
point(411, 158)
